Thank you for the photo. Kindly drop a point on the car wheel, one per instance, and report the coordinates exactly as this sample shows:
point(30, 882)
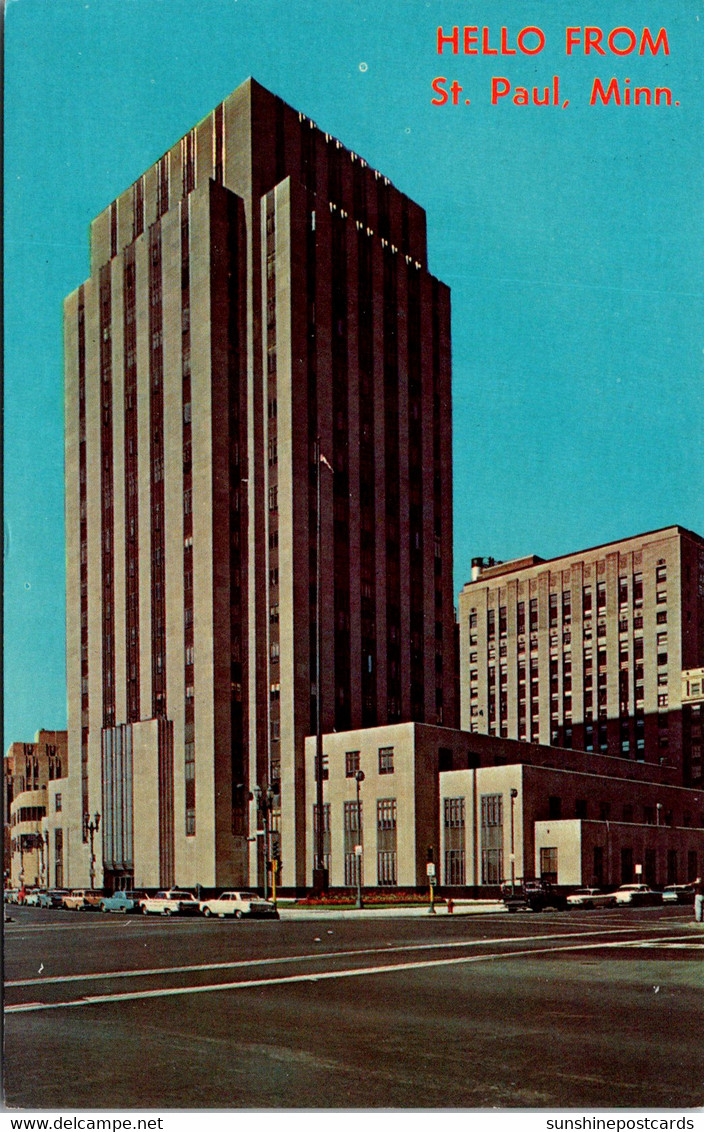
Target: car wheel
point(103, 908)
point(207, 912)
point(238, 914)
point(144, 911)
point(166, 912)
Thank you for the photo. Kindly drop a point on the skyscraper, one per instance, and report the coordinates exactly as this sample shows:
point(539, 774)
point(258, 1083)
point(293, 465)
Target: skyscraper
point(260, 287)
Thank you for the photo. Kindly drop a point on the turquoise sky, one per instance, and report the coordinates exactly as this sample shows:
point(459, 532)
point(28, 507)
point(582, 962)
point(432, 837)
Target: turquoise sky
point(572, 240)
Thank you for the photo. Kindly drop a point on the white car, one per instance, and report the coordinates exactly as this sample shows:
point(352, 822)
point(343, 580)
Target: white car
point(590, 898)
point(636, 894)
point(239, 904)
point(170, 903)
point(678, 894)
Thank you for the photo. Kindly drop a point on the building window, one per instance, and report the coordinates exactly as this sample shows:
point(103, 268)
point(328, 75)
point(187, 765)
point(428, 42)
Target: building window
point(351, 763)
point(386, 760)
point(353, 829)
point(637, 589)
point(386, 841)
point(57, 803)
point(533, 612)
point(492, 838)
point(454, 829)
point(548, 864)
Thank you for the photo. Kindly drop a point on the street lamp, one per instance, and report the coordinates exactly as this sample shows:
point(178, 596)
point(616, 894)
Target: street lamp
point(359, 779)
point(658, 811)
point(265, 803)
point(91, 827)
point(514, 795)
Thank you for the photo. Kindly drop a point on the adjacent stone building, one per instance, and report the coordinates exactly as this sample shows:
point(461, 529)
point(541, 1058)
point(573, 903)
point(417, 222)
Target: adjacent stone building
point(34, 791)
point(587, 650)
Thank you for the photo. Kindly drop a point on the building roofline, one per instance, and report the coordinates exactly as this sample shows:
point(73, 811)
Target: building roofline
point(512, 566)
point(584, 773)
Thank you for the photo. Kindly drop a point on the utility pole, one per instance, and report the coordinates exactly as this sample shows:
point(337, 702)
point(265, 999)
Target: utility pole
point(320, 873)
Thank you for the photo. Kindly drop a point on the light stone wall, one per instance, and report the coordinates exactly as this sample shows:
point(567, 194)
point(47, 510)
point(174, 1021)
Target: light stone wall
point(145, 756)
point(95, 570)
point(118, 464)
point(72, 804)
point(566, 837)
point(173, 527)
point(143, 481)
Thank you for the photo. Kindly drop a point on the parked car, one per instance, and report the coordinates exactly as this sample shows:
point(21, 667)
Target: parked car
point(239, 904)
point(10, 895)
point(636, 894)
point(82, 899)
point(678, 894)
point(44, 899)
point(170, 903)
point(534, 894)
point(56, 897)
point(123, 901)
point(591, 898)
point(32, 897)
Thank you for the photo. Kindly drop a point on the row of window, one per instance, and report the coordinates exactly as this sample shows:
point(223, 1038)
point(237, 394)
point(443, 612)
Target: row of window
point(566, 602)
point(353, 827)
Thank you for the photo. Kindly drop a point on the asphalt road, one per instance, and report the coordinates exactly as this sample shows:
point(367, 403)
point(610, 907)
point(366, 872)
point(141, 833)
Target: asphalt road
point(574, 1009)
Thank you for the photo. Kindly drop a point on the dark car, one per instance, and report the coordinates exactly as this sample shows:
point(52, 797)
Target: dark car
point(534, 894)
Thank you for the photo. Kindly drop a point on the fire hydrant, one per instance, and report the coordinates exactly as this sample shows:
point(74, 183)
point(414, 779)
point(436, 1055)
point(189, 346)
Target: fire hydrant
point(450, 905)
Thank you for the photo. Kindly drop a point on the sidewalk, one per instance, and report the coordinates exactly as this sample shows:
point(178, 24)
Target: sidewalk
point(461, 908)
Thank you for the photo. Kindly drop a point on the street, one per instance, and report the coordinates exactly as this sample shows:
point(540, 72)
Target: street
point(572, 1009)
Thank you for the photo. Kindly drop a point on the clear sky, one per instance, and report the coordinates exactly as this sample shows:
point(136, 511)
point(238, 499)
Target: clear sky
point(572, 239)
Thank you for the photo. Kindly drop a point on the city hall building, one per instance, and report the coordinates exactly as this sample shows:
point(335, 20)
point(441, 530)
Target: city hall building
point(259, 325)
point(587, 650)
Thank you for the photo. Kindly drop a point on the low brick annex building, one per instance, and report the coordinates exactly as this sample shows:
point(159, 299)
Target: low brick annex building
point(487, 809)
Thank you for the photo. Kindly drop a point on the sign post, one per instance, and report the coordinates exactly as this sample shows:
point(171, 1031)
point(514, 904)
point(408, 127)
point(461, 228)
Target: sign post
point(430, 870)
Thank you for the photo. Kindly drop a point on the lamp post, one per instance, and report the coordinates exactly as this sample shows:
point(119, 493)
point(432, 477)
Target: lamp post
point(265, 802)
point(359, 779)
point(92, 828)
point(40, 846)
point(514, 795)
point(658, 812)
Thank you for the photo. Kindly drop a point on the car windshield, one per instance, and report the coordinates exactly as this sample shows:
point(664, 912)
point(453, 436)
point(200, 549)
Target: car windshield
point(248, 896)
point(182, 896)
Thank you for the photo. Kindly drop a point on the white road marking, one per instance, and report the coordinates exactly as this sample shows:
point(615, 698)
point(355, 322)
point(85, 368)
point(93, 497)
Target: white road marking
point(306, 957)
point(321, 976)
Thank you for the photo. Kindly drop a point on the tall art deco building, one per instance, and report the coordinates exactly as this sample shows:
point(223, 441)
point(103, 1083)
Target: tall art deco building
point(258, 288)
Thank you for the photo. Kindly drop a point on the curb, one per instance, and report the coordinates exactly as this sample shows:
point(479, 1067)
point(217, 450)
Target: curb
point(488, 907)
